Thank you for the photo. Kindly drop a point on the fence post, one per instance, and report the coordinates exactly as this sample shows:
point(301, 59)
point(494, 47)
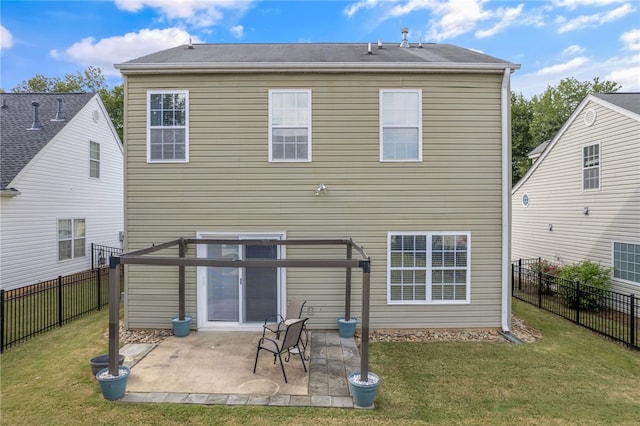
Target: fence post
point(578, 302)
point(632, 320)
point(540, 288)
point(98, 272)
point(60, 300)
point(1, 321)
point(519, 274)
point(513, 279)
point(92, 257)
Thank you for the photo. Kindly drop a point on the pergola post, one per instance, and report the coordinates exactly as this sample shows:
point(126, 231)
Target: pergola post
point(364, 360)
point(114, 315)
point(347, 296)
point(182, 249)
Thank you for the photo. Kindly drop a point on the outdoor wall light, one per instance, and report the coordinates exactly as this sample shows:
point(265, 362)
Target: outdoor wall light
point(585, 210)
point(321, 189)
point(550, 227)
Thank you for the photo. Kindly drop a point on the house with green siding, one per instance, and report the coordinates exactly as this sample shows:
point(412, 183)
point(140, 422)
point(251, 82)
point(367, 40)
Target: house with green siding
point(402, 147)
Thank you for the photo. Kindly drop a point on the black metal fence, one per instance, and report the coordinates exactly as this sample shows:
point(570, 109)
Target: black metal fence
point(612, 314)
point(28, 311)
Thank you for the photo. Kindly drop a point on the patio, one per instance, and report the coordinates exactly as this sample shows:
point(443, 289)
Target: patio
point(217, 368)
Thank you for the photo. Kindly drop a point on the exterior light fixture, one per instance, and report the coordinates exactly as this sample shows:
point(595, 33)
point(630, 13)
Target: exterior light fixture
point(321, 189)
point(585, 210)
point(550, 227)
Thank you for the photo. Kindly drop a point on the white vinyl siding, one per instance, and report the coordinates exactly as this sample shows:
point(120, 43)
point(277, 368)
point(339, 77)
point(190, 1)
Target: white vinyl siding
point(71, 239)
point(591, 167)
point(400, 125)
point(290, 125)
point(94, 159)
point(626, 261)
point(168, 126)
point(428, 267)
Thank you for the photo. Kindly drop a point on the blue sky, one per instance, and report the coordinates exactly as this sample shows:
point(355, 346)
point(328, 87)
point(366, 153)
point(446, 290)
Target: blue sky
point(552, 39)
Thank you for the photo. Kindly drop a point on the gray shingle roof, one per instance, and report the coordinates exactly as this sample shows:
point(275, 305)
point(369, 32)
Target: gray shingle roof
point(629, 101)
point(18, 145)
point(316, 54)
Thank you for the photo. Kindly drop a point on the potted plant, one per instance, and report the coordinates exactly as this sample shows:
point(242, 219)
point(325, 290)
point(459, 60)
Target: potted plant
point(363, 391)
point(113, 387)
point(347, 327)
point(99, 362)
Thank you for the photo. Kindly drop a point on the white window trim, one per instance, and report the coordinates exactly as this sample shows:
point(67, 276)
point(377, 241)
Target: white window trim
point(582, 167)
point(613, 262)
point(428, 300)
point(419, 92)
point(91, 160)
point(186, 125)
point(309, 127)
point(72, 239)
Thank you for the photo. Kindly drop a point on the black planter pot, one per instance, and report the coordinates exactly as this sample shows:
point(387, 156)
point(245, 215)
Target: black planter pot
point(102, 361)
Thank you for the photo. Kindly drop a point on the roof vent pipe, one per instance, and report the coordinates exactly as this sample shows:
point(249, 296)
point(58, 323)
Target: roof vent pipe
point(190, 45)
point(379, 44)
point(405, 41)
point(369, 49)
point(59, 113)
point(36, 123)
point(4, 103)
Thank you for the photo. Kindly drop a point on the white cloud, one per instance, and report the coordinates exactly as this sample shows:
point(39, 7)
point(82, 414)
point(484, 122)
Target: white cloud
point(631, 40)
point(574, 4)
point(353, 8)
point(595, 20)
point(109, 51)
point(237, 31)
point(507, 16)
point(454, 18)
point(563, 69)
point(6, 39)
point(572, 50)
point(199, 13)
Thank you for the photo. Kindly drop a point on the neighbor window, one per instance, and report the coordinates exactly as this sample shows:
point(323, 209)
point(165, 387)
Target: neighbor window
point(428, 267)
point(400, 125)
point(626, 261)
point(71, 238)
point(168, 126)
point(591, 167)
point(289, 125)
point(94, 159)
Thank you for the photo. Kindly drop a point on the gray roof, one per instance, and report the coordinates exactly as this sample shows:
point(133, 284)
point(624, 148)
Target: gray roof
point(539, 149)
point(18, 145)
point(318, 55)
point(628, 101)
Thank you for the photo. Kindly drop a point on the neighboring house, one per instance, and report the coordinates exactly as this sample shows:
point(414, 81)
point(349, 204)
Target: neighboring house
point(62, 184)
point(581, 199)
point(240, 140)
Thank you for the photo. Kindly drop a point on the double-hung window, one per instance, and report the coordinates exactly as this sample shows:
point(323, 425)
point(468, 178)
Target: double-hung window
point(626, 261)
point(168, 126)
point(94, 159)
point(71, 238)
point(400, 125)
point(289, 125)
point(591, 167)
point(426, 267)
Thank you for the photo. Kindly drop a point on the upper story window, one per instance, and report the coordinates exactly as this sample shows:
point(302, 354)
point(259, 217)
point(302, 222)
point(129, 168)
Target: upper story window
point(591, 167)
point(400, 125)
point(289, 125)
point(168, 126)
point(94, 159)
point(428, 267)
point(626, 261)
point(71, 238)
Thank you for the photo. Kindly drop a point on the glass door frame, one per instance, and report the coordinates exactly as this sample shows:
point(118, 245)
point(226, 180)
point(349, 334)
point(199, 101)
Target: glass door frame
point(203, 324)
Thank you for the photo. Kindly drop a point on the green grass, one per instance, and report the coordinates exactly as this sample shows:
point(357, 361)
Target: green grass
point(571, 376)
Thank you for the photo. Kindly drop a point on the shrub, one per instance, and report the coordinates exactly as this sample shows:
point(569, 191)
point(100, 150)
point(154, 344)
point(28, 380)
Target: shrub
point(594, 281)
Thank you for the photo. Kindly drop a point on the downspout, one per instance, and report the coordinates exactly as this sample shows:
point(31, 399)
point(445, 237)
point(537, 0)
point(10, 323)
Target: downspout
point(506, 202)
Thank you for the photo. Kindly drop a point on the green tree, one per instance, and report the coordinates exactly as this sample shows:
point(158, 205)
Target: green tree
point(90, 80)
point(521, 140)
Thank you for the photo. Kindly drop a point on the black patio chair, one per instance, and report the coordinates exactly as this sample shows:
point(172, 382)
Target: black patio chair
point(277, 323)
point(289, 344)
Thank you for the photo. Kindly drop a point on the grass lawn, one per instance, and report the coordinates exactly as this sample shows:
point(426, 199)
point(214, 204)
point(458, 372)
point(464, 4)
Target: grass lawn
point(571, 376)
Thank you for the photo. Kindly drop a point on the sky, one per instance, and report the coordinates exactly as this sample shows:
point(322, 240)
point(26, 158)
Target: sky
point(551, 40)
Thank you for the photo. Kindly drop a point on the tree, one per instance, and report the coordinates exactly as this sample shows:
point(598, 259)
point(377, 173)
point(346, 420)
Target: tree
point(538, 120)
point(90, 80)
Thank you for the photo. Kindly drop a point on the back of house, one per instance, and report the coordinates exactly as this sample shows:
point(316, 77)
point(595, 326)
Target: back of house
point(581, 198)
point(405, 150)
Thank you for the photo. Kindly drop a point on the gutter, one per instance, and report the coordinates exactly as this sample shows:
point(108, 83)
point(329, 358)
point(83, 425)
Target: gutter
point(505, 314)
point(9, 192)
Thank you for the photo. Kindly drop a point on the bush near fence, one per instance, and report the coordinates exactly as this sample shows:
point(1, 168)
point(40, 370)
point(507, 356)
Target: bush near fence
point(610, 313)
point(28, 311)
